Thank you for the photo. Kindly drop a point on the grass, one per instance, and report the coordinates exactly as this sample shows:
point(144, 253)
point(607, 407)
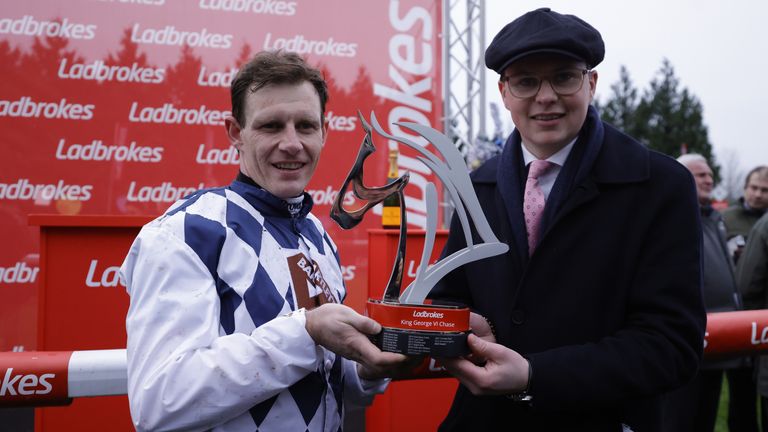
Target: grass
point(721, 424)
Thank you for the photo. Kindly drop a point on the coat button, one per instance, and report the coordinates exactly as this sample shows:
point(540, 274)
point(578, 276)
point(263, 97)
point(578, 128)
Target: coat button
point(518, 316)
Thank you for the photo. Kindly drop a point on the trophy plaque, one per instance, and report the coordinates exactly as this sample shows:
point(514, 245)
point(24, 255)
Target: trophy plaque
point(410, 326)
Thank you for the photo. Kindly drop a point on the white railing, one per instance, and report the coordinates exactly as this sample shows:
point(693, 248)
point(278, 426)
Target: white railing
point(38, 378)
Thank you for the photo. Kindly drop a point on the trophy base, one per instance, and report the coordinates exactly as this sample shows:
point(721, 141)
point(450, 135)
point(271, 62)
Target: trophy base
point(414, 343)
point(437, 331)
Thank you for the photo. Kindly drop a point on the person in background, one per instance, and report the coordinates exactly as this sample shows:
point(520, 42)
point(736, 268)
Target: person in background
point(739, 220)
point(752, 279)
point(693, 408)
point(741, 216)
point(596, 310)
point(235, 320)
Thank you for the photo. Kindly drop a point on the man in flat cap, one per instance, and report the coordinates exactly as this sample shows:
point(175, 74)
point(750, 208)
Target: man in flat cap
point(596, 309)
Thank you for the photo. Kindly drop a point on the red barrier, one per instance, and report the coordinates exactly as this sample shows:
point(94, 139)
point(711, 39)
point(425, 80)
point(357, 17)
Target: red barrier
point(42, 378)
point(734, 333)
point(35, 378)
point(55, 377)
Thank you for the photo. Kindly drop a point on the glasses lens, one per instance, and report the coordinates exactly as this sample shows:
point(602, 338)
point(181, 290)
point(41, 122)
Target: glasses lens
point(523, 86)
point(564, 83)
point(567, 82)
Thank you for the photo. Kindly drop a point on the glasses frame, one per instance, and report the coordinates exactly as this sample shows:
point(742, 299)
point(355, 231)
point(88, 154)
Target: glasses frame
point(548, 79)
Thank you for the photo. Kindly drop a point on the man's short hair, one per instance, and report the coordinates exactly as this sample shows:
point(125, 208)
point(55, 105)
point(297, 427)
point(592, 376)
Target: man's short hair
point(692, 157)
point(274, 68)
point(761, 171)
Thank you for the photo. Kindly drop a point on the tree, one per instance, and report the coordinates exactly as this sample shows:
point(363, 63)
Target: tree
point(620, 108)
point(667, 118)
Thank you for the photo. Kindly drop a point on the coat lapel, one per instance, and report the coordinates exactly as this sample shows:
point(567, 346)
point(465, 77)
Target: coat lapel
point(608, 157)
point(510, 182)
point(575, 185)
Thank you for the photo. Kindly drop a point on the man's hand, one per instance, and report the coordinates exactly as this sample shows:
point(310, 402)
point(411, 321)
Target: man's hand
point(342, 330)
point(401, 368)
point(504, 372)
point(481, 328)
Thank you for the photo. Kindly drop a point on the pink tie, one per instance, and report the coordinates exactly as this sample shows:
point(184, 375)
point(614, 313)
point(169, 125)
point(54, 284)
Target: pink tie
point(533, 202)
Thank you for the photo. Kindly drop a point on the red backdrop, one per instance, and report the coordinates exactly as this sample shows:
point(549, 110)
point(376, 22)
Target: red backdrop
point(115, 107)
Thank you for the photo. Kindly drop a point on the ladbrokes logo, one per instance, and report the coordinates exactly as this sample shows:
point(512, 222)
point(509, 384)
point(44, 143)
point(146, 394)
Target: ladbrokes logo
point(214, 156)
point(328, 195)
point(301, 45)
point(98, 71)
point(409, 87)
point(29, 26)
point(215, 79)
point(25, 384)
point(172, 115)
point(266, 7)
point(24, 190)
point(26, 107)
point(340, 123)
point(97, 151)
point(427, 314)
point(168, 35)
point(19, 273)
point(166, 192)
point(141, 2)
point(108, 277)
point(348, 272)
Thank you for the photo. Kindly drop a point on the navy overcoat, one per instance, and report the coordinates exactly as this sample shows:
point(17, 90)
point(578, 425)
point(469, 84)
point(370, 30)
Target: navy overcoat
point(608, 309)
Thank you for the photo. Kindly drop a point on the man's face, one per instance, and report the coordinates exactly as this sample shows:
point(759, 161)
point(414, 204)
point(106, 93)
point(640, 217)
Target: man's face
point(547, 121)
point(704, 180)
point(756, 192)
point(281, 139)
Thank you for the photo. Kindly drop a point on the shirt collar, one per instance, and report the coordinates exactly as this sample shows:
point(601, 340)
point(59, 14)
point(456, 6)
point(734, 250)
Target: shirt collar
point(558, 158)
point(268, 204)
point(749, 209)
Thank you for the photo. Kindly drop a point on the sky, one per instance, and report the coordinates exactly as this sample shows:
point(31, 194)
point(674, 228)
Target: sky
point(717, 49)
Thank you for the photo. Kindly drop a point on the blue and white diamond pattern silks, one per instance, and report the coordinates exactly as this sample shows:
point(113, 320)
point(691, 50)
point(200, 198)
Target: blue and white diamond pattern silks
point(213, 339)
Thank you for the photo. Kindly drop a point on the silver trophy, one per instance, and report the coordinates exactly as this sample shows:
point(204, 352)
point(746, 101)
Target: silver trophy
point(409, 326)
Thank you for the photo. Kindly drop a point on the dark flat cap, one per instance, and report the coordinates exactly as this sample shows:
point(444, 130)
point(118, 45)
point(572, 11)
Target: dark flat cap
point(544, 30)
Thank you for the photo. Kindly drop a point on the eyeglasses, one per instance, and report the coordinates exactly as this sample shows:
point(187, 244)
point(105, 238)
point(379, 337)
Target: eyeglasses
point(564, 83)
